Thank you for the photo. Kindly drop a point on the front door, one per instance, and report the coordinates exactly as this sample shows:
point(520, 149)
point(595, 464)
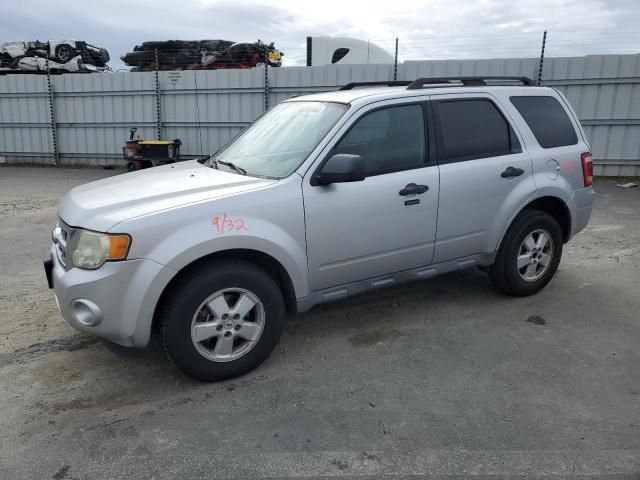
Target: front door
point(386, 223)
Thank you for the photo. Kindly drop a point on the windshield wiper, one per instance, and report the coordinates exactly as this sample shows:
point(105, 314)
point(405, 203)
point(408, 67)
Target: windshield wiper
point(236, 168)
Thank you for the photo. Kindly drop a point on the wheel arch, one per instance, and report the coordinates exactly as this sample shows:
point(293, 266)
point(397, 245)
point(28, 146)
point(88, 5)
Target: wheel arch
point(262, 260)
point(554, 206)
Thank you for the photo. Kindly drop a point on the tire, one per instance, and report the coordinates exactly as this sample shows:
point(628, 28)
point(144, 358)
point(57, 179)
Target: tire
point(5, 60)
point(64, 53)
point(189, 311)
point(529, 255)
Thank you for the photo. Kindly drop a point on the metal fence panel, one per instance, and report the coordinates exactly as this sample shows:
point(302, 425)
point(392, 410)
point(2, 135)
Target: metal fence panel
point(95, 112)
point(442, 68)
point(25, 120)
point(205, 109)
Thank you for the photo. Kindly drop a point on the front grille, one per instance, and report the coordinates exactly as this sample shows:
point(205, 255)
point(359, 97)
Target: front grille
point(60, 236)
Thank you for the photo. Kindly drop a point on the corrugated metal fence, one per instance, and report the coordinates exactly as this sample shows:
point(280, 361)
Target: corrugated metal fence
point(92, 114)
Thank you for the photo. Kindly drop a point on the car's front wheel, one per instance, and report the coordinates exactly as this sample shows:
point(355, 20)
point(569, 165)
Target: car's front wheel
point(222, 320)
point(64, 53)
point(529, 255)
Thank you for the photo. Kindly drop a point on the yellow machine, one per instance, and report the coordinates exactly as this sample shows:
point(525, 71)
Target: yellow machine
point(141, 154)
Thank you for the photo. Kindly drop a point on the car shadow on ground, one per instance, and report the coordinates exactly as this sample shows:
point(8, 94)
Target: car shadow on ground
point(365, 318)
point(367, 312)
point(88, 375)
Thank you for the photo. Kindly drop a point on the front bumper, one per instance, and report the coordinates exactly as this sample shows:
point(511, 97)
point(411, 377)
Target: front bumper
point(115, 302)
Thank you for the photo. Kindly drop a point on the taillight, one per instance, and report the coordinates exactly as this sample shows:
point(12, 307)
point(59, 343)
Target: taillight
point(587, 168)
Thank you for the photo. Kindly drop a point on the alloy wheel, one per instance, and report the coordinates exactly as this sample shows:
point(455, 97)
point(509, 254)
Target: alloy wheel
point(535, 255)
point(228, 324)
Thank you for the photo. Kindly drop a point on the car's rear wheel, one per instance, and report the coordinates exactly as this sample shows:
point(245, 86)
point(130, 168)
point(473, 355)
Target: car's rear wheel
point(222, 320)
point(529, 255)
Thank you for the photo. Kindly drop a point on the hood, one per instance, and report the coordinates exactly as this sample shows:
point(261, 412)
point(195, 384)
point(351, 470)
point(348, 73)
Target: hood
point(101, 205)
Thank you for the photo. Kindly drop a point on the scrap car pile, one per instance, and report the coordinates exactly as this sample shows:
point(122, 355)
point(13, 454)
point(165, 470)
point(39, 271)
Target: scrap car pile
point(56, 55)
point(201, 55)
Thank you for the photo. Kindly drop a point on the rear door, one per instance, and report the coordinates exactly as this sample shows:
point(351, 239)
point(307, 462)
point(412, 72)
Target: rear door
point(485, 173)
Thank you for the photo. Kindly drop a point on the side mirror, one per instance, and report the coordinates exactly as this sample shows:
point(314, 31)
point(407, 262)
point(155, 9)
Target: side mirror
point(340, 168)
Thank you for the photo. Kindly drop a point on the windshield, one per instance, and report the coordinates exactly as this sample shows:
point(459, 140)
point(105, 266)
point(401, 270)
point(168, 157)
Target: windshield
point(279, 141)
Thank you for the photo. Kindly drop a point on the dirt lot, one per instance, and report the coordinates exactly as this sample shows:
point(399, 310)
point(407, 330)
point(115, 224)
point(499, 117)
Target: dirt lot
point(444, 378)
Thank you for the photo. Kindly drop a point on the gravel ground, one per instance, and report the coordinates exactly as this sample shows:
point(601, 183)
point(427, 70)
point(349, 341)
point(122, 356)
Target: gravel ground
point(442, 379)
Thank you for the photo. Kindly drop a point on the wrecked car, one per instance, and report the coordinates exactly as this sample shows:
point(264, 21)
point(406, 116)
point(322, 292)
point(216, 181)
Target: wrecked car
point(201, 54)
point(63, 55)
point(39, 64)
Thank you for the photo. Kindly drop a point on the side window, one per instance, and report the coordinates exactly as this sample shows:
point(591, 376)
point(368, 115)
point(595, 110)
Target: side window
point(474, 128)
point(547, 120)
point(339, 54)
point(388, 140)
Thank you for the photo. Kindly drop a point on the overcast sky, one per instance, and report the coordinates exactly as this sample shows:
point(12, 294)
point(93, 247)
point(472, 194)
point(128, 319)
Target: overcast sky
point(426, 29)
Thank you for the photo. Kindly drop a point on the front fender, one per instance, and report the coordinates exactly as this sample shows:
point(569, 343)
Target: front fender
point(280, 246)
point(192, 250)
point(269, 220)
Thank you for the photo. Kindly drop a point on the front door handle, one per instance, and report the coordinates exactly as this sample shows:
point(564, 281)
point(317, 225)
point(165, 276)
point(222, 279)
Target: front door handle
point(512, 172)
point(413, 189)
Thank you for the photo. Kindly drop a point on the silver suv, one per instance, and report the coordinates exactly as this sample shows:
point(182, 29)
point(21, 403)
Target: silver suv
point(323, 197)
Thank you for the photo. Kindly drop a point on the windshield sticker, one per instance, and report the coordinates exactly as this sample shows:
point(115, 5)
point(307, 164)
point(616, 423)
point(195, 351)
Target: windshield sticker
point(225, 224)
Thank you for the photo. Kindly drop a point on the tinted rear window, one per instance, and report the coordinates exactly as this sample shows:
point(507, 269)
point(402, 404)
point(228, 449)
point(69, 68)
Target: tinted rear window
point(547, 120)
point(474, 129)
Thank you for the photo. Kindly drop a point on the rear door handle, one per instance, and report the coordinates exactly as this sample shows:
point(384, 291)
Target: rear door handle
point(512, 172)
point(413, 189)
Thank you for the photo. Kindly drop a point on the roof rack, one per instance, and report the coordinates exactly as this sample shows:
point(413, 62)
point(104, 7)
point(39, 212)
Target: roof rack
point(388, 83)
point(467, 81)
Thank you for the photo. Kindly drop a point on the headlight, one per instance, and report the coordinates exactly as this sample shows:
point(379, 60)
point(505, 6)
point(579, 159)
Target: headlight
point(92, 249)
